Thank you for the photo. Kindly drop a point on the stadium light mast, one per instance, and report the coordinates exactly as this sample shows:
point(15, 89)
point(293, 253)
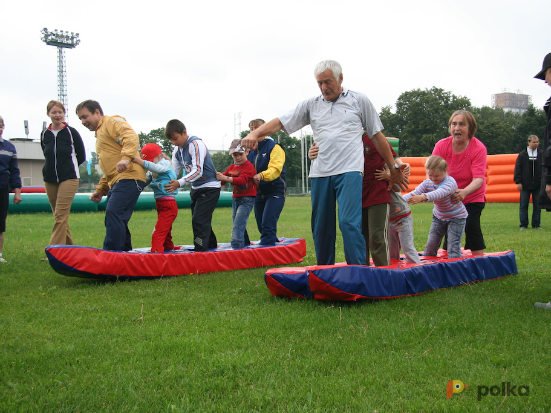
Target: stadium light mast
point(62, 40)
point(237, 125)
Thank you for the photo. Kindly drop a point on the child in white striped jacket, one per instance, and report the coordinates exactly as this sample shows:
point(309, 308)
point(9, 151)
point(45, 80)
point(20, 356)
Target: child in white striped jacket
point(447, 216)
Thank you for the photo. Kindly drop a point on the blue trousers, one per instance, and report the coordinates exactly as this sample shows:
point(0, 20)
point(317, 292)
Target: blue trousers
point(523, 210)
point(346, 191)
point(474, 239)
point(267, 209)
point(121, 200)
point(241, 208)
point(454, 229)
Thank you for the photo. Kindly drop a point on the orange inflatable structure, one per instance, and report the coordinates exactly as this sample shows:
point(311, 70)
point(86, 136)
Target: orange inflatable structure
point(500, 186)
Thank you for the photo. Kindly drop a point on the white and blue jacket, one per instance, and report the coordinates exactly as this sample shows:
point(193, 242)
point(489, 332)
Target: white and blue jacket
point(195, 159)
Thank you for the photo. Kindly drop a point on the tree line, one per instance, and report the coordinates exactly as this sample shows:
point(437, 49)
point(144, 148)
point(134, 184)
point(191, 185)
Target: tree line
point(419, 121)
point(222, 160)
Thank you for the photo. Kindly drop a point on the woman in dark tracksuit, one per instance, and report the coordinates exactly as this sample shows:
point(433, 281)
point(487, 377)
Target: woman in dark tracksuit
point(64, 152)
point(269, 162)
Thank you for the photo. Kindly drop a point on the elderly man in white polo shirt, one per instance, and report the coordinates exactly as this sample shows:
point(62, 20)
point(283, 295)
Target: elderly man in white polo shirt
point(338, 118)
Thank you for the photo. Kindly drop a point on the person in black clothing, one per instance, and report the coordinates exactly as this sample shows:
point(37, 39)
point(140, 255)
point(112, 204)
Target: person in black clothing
point(545, 192)
point(9, 179)
point(64, 152)
point(528, 179)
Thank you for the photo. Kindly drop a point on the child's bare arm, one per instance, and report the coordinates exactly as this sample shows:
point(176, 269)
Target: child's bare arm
point(138, 160)
point(221, 177)
point(382, 174)
point(404, 167)
point(415, 199)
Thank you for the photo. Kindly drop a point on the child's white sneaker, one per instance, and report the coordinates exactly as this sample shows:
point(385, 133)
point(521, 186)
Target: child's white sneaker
point(2, 260)
point(545, 306)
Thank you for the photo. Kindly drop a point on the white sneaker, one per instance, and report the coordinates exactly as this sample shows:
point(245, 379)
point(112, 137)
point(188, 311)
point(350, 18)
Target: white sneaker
point(545, 306)
point(2, 260)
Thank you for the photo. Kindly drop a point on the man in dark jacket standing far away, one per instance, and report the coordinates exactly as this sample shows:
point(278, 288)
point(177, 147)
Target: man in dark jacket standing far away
point(528, 179)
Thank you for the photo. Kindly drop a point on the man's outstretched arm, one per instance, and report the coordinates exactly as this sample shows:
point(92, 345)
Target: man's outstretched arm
point(251, 140)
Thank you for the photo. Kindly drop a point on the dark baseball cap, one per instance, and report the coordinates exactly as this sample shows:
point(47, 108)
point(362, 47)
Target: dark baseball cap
point(546, 65)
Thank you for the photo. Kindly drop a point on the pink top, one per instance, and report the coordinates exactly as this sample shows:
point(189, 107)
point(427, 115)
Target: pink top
point(464, 166)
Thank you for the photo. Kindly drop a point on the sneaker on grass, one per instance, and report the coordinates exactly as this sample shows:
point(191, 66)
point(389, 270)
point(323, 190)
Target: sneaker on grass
point(2, 260)
point(545, 306)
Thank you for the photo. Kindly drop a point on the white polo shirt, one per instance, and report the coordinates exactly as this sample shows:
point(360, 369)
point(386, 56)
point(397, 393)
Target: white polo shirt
point(338, 128)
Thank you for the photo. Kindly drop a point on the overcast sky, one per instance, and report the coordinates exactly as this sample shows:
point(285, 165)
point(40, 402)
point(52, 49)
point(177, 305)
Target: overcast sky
point(204, 62)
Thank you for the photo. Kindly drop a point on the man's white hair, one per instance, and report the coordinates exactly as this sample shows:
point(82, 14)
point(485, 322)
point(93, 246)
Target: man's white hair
point(328, 64)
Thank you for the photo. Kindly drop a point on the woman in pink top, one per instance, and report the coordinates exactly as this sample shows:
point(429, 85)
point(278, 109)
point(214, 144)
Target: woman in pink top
point(466, 158)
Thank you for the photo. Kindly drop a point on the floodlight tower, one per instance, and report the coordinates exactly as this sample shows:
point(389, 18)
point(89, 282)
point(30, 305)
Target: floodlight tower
point(62, 40)
point(237, 125)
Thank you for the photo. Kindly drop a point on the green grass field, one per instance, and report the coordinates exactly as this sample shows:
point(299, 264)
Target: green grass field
point(220, 343)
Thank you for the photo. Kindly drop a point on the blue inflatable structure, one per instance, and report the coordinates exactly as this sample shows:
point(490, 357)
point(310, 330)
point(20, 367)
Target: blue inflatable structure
point(343, 282)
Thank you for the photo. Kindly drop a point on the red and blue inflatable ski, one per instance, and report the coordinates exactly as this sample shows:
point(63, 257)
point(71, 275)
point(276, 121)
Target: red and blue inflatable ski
point(343, 282)
point(87, 262)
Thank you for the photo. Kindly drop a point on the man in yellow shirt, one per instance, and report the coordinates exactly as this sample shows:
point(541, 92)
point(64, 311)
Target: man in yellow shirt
point(116, 145)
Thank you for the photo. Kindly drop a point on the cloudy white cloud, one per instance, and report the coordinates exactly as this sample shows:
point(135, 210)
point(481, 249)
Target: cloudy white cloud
point(204, 62)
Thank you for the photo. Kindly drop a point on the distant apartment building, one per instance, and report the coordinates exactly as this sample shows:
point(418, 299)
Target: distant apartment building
point(511, 102)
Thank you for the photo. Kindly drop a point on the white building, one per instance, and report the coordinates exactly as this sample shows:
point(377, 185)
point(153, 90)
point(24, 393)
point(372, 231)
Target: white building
point(31, 161)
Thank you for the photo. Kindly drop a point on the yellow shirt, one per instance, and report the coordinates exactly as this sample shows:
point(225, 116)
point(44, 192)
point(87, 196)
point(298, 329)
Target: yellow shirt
point(116, 140)
point(275, 166)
